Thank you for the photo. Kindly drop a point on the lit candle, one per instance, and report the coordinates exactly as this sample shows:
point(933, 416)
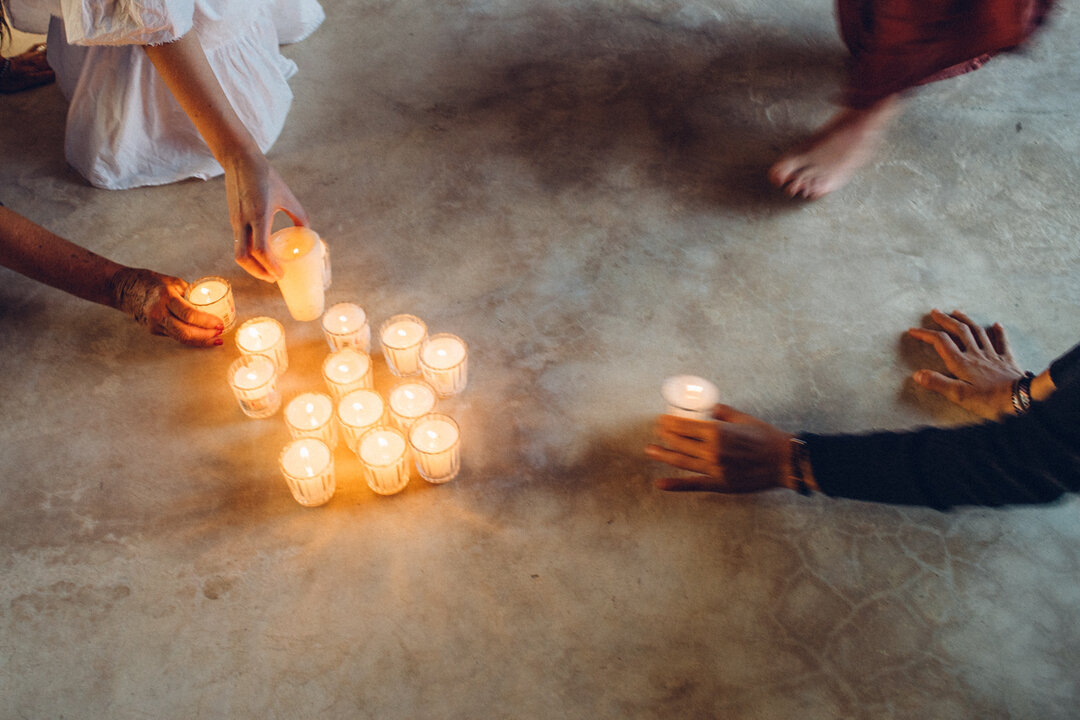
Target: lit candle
point(410, 400)
point(347, 370)
point(359, 411)
point(401, 337)
point(308, 467)
point(690, 396)
point(346, 325)
point(435, 441)
point(253, 379)
point(300, 253)
point(213, 295)
point(444, 361)
point(386, 464)
point(264, 335)
point(312, 415)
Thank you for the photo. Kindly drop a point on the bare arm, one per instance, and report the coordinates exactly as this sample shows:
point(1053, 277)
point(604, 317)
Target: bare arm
point(155, 301)
point(254, 191)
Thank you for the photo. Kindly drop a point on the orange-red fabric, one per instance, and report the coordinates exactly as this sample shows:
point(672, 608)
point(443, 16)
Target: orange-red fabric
point(898, 44)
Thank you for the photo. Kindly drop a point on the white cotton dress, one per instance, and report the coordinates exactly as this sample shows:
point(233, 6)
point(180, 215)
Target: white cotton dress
point(124, 128)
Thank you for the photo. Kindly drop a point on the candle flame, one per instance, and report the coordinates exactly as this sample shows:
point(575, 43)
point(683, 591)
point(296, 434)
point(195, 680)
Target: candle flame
point(694, 388)
point(252, 375)
point(309, 408)
point(401, 332)
point(440, 352)
point(409, 394)
point(381, 442)
point(296, 251)
point(432, 434)
point(343, 318)
point(304, 453)
point(357, 406)
point(205, 290)
point(343, 367)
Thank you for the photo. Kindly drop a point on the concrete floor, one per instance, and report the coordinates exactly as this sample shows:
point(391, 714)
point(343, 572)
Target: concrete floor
point(576, 188)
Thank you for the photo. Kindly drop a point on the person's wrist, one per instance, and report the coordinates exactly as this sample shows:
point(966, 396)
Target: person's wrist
point(1020, 393)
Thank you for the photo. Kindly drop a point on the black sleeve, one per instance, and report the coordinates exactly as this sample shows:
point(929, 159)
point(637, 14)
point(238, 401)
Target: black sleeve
point(1033, 458)
point(1066, 369)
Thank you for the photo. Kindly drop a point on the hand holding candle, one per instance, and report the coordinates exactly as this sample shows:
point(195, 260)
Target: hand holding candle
point(213, 295)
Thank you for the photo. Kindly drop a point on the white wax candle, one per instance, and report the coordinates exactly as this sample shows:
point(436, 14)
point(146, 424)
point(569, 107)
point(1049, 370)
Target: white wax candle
point(410, 400)
point(358, 412)
point(312, 415)
point(401, 337)
point(213, 295)
point(266, 336)
point(690, 396)
point(253, 379)
point(300, 253)
point(346, 325)
point(444, 361)
point(382, 453)
point(434, 439)
point(326, 264)
point(308, 467)
point(347, 370)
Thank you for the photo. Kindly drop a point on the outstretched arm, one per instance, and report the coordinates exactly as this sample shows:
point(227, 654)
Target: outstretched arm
point(254, 190)
point(153, 300)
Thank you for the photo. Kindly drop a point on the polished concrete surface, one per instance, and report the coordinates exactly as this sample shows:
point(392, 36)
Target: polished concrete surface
point(576, 188)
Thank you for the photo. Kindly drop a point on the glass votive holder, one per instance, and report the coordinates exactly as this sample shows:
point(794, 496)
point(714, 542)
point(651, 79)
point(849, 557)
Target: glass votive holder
point(444, 363)
point(384, 457)
point(435, 440)
point(308, 467)
point(401, 337)
point(358, 412)
point(300, 252)
point(410, 400)
point(346, 325)
point(326, 265)
point(213, 295)
point(264, 336)
point(347, 370)
point(312, 415)
point(689, 396)
point(253, 379)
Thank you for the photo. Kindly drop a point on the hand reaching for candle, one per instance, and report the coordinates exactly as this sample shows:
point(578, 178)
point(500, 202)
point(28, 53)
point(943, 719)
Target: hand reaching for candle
point(979, 359)
point(255, 194)
point(736, 453)
point(157, 302)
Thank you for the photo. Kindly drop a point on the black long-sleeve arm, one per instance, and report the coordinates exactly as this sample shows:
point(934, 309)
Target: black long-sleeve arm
point(1033, 458)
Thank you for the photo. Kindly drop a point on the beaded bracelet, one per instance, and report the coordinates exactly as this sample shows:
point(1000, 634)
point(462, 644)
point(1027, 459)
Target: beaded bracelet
point(1021, 393)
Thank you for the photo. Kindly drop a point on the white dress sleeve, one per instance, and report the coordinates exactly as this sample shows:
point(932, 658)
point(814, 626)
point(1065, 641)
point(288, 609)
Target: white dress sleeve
point(126, 22)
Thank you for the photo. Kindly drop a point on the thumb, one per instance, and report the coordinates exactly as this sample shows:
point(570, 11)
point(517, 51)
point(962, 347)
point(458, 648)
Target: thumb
point(941, 384)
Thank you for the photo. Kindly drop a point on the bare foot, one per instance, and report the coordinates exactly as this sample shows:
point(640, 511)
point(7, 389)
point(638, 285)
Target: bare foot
point(827, 160)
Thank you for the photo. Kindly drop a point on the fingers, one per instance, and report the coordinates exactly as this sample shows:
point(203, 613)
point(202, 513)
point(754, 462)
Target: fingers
point(679, 460)
point(948, 387)
point(977, 330)
point(246, 257)
point(726, 413)
point(957, 328)
point(999, 341)
point(688, 427)
point(691, 484)
point(699, 447)
point(942, 343)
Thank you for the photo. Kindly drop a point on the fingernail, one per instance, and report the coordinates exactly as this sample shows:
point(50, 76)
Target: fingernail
point(219, 341)
point(220, 328)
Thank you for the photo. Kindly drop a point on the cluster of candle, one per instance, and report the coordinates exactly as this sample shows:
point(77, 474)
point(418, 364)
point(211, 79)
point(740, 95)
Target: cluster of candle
point(385, 435)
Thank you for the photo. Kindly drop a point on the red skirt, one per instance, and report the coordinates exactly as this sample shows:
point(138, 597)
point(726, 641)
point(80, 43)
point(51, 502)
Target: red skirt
point(898, 44)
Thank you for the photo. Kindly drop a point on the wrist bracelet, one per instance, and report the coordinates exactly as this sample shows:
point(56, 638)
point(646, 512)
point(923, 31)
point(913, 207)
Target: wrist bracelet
point(799, 455)
point(1021, 393)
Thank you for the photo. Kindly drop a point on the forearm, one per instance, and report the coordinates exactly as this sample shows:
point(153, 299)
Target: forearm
point(33, 251)
point(1028, 459)
point(185, 70)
